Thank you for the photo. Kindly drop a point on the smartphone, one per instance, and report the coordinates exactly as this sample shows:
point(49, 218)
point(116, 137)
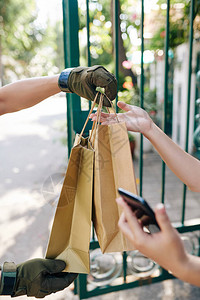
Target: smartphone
point(141, 209)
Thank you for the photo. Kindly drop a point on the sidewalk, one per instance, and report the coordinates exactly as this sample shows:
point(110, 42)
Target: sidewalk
point(33, 163)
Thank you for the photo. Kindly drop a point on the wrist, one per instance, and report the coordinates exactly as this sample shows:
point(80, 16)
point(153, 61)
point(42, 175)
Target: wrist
point(63, 80)
point(190, 271)
point(182, 267)
point(149, 129)
point(8, 278)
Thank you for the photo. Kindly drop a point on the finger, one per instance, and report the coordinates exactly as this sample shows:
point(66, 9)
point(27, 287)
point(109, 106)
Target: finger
point(124, 106)
point(145, 220)
point(103, 115)
point(106, 102)
point(107, 115)
point(54, 265)
point(108, 119)
point(162, 218)
point(108, 122)
point(102, 119)
point(138, 213)
point(133, 222)
point(61, 281)
point(111, 89)
point(129, 214)
point(93, 115)
point(103, 78)
point(124, 227)
point(121, 202)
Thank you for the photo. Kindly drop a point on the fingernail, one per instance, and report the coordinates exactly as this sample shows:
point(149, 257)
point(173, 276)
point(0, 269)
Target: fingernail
point(160, 206)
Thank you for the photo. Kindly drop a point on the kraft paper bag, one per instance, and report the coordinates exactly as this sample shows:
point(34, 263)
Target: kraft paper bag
point(70, 234)
point(113, 169)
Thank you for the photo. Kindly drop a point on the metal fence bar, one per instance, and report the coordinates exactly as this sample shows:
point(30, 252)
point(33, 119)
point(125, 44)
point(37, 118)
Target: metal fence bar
point(116, 42)
point(165, 95)
point(81, 286)
point(88, 33)
point(188, 97)
point(71, 48)
point(141, 97)
point(88, 38)
point(69, 102)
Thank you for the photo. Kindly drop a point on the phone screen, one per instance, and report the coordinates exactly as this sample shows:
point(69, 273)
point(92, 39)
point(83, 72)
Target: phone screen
point(141, 209)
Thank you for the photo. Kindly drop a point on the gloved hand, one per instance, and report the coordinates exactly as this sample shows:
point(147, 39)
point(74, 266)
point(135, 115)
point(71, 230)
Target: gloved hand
point(84, 80)
point(39, 277)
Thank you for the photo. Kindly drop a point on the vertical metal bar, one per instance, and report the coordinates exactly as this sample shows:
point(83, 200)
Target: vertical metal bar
point(75, 286)
point(82, 286)
point(124, 265)
point(69, 104)
point(188, 97)
point(88, 33)
point(197, 93)
point(88, 38)
point(71, 54)
point(165, 94)
point(198, 246)
point(141, 97)
point(116, 51)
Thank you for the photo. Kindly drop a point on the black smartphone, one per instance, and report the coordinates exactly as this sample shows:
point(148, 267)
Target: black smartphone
point(142, 210)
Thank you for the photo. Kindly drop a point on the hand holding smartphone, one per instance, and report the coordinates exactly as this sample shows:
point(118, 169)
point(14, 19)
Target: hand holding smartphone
point(141, 209)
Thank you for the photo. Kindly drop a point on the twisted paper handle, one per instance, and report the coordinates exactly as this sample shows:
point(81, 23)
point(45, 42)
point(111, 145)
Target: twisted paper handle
point(112, 108)
point(97, 122)
point(91, 110)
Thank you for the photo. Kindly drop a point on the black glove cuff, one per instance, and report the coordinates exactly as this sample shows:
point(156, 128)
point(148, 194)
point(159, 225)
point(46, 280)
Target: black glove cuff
point(8, 278)
point(62, 80)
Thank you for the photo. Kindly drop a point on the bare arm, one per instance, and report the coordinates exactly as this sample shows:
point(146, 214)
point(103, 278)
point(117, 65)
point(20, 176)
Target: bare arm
point(184, 166)
point(26, 93)
point(80, 80)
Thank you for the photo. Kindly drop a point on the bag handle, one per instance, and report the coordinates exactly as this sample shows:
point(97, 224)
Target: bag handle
point(114, 110)
point(97, 122)
point(98, 119)
point(94, 102)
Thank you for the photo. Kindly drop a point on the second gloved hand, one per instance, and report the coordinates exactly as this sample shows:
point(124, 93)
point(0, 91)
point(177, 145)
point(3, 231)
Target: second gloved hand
point(41, 277)
point(84, 80)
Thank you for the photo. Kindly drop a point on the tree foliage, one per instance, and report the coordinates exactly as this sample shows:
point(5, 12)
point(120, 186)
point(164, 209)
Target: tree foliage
point(20, 38)
point(27, 49)
point(179, 23)
point(101, 34)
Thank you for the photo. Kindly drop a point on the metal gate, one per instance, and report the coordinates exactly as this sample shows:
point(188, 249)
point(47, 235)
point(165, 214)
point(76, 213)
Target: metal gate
point(76, 117)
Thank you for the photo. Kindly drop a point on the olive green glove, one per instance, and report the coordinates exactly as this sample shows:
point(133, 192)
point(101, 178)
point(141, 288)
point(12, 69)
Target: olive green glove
point(38, 278)
point(84, 80)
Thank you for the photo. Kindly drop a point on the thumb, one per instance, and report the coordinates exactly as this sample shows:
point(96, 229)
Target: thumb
point(124, 106)
point(54, 265)
point(162, 218)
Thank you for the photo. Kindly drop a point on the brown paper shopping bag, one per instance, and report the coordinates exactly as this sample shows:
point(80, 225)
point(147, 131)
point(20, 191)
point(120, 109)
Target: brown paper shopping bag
point(113, 169)
point(70, 234)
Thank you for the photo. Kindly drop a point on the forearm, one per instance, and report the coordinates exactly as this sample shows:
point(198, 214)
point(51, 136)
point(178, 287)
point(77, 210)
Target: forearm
point(190, 272)
point(184, 166)
point(26, 93)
